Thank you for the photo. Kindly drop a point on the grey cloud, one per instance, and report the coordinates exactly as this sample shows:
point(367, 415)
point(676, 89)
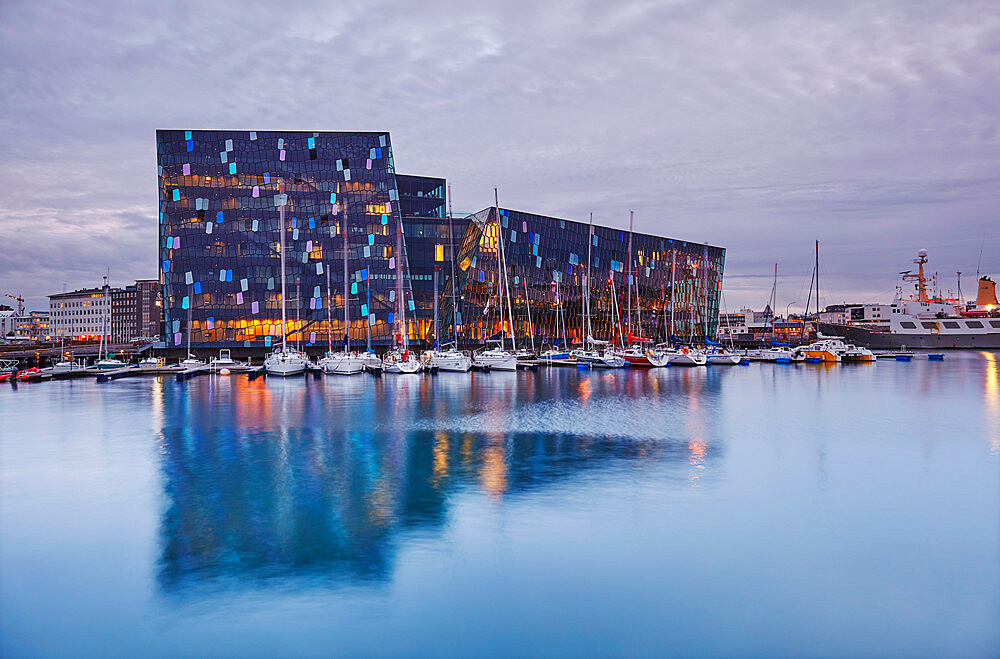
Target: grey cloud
point(759, 126)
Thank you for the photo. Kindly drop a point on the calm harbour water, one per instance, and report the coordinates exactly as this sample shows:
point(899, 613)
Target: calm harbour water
point(757, 510)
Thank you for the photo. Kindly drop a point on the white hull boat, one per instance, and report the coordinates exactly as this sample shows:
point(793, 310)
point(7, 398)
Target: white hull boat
point(226, 361)
point(67, 367)
point(453, 361)
point(495, 359)
point(401, 361)
point(723, 358)
point(688, 357)
point(108, 364)
point(596, 359)
point(285, 363)
point(342, 363)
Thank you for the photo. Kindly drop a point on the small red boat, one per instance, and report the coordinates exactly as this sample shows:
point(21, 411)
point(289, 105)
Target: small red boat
point(30, 375)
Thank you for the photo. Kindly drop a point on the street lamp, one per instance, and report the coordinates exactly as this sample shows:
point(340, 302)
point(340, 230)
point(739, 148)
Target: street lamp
point(786, 308)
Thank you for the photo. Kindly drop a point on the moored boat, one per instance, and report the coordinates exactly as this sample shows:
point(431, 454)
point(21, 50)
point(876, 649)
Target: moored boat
point(450, 359)
point(401, 360)
point(495, 358)
point(285, 362)
point(342, 363)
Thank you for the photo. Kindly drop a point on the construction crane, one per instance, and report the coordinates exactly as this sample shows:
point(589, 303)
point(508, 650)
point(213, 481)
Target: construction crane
point(20, 303)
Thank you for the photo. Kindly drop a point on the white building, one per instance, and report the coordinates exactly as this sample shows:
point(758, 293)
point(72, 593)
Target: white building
point(81, 314)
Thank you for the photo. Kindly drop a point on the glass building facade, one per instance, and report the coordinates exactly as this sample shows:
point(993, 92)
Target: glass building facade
point(220, 199)
point(672, 292)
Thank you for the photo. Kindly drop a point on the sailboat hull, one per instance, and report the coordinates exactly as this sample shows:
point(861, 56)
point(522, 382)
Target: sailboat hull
point(453, 363)
point(286, 364)
point(496, 361)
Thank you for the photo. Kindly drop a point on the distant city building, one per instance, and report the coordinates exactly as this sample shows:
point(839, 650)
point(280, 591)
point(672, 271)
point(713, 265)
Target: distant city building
point(32, 326)
point(123, 325)
point(874, 315)
point(221, 193)
point(123, 314)
point(80, 315)
point(148, 308)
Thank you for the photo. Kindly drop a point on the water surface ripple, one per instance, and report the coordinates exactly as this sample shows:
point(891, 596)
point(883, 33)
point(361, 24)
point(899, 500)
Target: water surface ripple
point(762, 510)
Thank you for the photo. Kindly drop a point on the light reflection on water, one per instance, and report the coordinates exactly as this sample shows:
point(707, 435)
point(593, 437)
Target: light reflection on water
point(742, 510)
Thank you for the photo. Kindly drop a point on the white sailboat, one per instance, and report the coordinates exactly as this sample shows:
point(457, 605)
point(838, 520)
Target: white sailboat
point(284, 361)
point(448, 357)
point(592, 352)
point(107, 362)
point(400, 359)
point(497, 357)
point(344, 362)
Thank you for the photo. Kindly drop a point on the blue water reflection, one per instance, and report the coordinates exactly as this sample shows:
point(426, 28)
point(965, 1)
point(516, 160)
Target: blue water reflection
point(754, 510)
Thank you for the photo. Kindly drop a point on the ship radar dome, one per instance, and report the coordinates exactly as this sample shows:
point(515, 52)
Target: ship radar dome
point(922, 253)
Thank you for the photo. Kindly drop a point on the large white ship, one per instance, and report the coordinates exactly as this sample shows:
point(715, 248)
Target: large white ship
point(922, 321)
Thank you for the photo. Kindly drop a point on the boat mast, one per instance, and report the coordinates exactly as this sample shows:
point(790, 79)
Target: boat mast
point(586, 283)
point(663, 304)
point(454, 282)
point(561, 313)
point(705, 292)
point(812, 280)
point(496, 206)
point(817, 281)
point(673, 268)
point(329, 312)
point(283, 198)
point(437, 341)
point(614, 309)
point(298, 323)
point(527, 302)
point(400, 314)
point(102, 346)
point(190, 305)
point(628, 272)
point(774, 301)
point(638, 303)
point(368, 303)
point(506, 288)
point(347, 320)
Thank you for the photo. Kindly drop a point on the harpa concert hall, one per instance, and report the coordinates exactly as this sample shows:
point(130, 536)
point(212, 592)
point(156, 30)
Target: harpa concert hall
point(350, 217)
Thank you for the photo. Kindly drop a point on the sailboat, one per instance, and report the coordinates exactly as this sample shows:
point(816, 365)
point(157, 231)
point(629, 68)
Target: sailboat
point(107, 362)
point(344, 362)
point(555, 352)
point(780, 353)
point(448, 357)
point(284, 361)
point(498, 357)
point(590, 352)
point(719, 354)
point(399, 358)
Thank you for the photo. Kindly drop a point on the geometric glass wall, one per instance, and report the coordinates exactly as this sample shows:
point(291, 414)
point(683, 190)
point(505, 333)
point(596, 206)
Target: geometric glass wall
point(219, 204)
point(674, 290)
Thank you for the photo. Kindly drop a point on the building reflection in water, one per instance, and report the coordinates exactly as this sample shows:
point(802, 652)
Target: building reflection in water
point(267, 480)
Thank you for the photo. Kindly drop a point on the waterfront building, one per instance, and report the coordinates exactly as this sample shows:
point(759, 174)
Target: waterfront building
point(81, 314)
point(135, 311)
point(672, 291)
point(32, 326)
point(220, 193)
point(123, 314)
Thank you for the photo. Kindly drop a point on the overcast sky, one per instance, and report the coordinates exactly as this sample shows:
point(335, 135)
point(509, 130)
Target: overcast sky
point(757, 126)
